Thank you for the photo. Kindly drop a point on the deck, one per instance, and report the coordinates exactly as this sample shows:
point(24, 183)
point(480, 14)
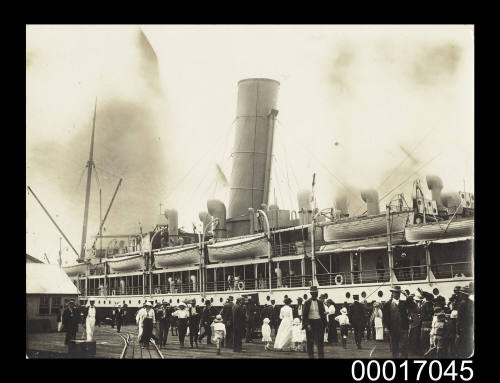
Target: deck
point(109, 345)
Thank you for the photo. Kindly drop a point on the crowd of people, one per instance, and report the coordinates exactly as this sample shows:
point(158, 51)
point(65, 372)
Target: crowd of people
point(422, 325)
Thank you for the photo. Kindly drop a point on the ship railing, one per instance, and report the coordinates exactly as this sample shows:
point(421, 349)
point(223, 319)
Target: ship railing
point(174, 288)
point(285, 249)
point(452, 270)
point(411, 273)
point(353, 277)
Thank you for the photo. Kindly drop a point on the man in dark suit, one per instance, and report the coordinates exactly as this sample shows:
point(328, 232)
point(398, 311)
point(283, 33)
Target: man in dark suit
point(194, 323)
point(465, 325)
point(314, 322)
point(239, 319)
point(275, 320)
point(207, 317)
point(251, 312)
point(357, 318)
point(70, 320)
point(119, 315)
point(267, 312)
point(395, 318)
point(227, 317)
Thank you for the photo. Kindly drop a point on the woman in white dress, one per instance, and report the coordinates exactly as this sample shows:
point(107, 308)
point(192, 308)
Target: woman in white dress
point(377, 322)
point(284, 336)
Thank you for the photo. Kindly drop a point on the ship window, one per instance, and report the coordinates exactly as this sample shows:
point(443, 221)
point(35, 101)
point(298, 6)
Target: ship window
point(55, 304)
point(177, 300)
point(170, 300)
point(129, 302)
point(286, 296)
point(99, 302)
point(268, 298)
point(348, 295)
point(435, 292)
point(305, 297)
point(380, 294)
point(220, 299)
point(202, 300)
point(109, 302)
point(212, 299)
point(139, 301)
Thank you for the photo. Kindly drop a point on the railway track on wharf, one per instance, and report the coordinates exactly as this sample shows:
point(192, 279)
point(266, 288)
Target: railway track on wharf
point(132, 349)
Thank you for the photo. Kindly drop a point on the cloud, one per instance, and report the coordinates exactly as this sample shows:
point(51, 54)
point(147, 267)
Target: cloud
point(340, 69)
point(434, 64)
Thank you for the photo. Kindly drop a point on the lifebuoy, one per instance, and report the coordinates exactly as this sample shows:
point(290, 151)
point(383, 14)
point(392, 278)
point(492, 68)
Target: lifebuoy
point(339, 279)
point(241, 285)
point(157, 290)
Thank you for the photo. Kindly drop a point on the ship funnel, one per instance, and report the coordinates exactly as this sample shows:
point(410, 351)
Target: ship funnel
point(173, 231)
point(450, 199)
point(252, 151)
point(370, 196)
point(305, 209)
point(435, 185)
point(204, 218)
point(341, 204)
point(217, 209)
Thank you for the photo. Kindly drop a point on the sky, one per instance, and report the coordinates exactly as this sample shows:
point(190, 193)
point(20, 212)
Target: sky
point(360, 106)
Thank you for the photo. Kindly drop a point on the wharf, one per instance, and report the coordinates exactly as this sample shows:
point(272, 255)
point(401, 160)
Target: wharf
point(109, 345)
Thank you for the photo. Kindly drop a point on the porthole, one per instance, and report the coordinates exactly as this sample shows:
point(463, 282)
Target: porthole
point(220, 299)
point(129, 302)
point(178, 300)
point(380, 294)
point(435, 292)
point(109, 302)
point(363, 294)
point(156, 300)
point(170, 300)
point(305, 297)
point(348, 295)
point(99, 302)
point(202, 300)
point(268, 298)
point(286, 296)
point(212, 300)
point(139, 301)
point(326, 295)
point(407, 292)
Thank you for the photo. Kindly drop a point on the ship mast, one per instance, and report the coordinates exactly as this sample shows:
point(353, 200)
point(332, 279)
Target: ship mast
point(90, 165)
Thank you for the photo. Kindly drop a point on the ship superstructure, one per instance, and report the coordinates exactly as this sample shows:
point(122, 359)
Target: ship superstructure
point(255, 248)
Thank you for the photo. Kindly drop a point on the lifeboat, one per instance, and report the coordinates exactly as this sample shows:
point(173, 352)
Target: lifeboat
point(362, 227)
point(74, 270)
point(175, 256)
point(430, 231)
point(243, 247)
point(126, 263)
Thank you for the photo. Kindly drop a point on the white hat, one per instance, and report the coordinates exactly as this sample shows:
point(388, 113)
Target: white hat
point(148, 303)
point(296, 321)
point(266, 320)
point(343, 310)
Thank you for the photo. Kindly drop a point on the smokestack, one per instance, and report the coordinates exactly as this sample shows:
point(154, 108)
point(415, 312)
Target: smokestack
point(450, 199)
point(204, 218)
point(341, 204)
point(217, 209)
point(370, 196)
point(252, 150)
point(305, 208)
point(435, 185)
point(173, 231)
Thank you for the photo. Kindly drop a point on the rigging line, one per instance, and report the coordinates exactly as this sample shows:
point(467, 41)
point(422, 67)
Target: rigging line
point(287, 158)
point(108, 172)
point(323, 165)
point(287, 178)
point(97, 177)
point(411, 175)
point(210, 148)
point(406, 157)
point(279, 171)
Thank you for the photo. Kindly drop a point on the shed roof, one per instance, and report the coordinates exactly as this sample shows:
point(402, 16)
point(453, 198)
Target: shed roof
point(42, 278)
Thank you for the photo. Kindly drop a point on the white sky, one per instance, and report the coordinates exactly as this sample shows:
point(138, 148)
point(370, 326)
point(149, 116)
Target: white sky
point(163, 123)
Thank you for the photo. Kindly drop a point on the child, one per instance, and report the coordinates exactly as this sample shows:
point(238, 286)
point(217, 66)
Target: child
point(266, 333)
point(219, 331)
point(343, 320)
point(297, 334)
point(437, 335)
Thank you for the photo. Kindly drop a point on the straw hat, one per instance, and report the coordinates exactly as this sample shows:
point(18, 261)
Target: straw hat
point(343, 310)
point(266, 320)
point(296, 321)
point(218, 319)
